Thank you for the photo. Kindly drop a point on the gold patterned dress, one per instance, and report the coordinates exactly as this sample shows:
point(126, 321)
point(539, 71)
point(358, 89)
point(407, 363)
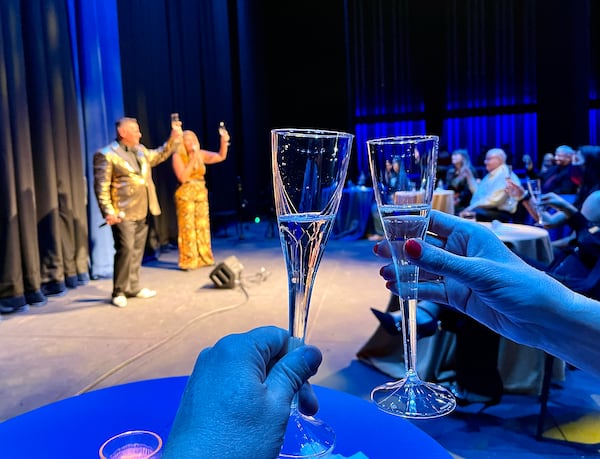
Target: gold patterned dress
point(191, 202)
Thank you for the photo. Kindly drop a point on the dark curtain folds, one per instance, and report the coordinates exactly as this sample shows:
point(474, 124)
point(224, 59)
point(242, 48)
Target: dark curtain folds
point(176, 56)
point(19, 256)
point(253, 65)
point(41, 133)
point(513, 74)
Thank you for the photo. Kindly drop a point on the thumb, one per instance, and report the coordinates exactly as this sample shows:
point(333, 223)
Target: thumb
point(289, 374)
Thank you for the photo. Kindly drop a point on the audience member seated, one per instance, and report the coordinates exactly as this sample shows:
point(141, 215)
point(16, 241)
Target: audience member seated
point(490, 200)
point(530, 171)
point(564, 177)
point(443, 164)
point(547, 163)
point(577, 264)
point(542, 173)
point(461, 178)
point(557, 209)
point(560, 208)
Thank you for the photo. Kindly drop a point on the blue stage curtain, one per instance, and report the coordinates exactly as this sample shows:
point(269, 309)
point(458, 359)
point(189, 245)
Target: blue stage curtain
point(19, 255)
point(480, 74)
point(95, 47)
point(45, 245)
point(178, 58)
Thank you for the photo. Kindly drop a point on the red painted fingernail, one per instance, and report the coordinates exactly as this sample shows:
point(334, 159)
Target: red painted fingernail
point(413, 248)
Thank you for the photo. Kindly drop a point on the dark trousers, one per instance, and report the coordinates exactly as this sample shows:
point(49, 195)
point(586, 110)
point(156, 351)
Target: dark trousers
point(130, 240)
point(476, 357)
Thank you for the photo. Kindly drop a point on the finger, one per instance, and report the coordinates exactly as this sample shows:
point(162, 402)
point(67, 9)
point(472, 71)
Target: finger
point(444, 263)
point(254, 350)
point(382, 249)
point(432, 291)
point(307, 400)
point(443, 224)
point(293, 370)
point(389, 272)
point(435, 239)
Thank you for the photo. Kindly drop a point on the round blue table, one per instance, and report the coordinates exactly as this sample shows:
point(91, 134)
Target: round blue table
point(353, 214)
point(75, 428)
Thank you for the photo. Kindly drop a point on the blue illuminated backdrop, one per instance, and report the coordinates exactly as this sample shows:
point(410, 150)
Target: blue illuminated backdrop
point(473, 73)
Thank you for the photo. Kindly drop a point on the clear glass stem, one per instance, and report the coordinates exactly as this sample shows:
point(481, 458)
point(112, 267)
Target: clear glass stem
point(409, 313)
point(407, 281)
point(300, 289)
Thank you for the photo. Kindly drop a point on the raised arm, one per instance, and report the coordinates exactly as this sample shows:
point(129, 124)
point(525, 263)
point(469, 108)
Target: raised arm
point(485, 280)
point(211, 157)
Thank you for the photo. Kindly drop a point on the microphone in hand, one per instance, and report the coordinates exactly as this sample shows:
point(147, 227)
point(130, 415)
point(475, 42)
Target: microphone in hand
point(121, 216)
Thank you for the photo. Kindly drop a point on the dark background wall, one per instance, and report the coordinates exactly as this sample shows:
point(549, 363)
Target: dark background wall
point(517, 74)
point(520, 74)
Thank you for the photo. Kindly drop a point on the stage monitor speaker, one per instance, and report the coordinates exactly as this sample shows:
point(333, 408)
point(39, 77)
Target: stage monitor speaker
point(226, 272)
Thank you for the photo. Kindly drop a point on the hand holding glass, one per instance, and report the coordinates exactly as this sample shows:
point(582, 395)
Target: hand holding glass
point(404, 206)
point(309, 171)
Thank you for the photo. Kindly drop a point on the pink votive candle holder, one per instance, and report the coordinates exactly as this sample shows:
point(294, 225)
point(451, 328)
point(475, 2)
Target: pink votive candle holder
point(134, 444)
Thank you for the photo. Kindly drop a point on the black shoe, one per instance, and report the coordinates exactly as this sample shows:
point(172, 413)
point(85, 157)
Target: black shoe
point(36, 298)
point(71, 281)
point(54, 288)
point(464, 397)
point(392, 324)
point(83, 278)
point(13, 304)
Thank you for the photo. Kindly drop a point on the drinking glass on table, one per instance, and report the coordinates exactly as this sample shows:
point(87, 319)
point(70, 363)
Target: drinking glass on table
point(404, 212)
point(535, 189)
point(309, 171)
point(133, 444)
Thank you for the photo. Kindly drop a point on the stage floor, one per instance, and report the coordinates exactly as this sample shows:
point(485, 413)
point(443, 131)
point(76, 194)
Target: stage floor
point(79, 342)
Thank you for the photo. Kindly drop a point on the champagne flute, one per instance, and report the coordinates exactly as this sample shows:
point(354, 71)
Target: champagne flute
point(535, 189)
point(175, 121)
point(404, 212)
point(510, 200)
point(309, 170)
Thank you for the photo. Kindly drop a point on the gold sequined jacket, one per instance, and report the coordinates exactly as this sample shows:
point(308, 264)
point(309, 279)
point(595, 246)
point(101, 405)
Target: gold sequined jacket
point(125, 186)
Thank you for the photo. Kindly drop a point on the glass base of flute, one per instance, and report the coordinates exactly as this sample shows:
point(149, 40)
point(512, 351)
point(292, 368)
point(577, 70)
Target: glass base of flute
point(411, 397)
point(307, 437)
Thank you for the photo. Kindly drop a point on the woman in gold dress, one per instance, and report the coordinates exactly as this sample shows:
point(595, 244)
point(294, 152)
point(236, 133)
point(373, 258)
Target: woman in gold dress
point(191, 199)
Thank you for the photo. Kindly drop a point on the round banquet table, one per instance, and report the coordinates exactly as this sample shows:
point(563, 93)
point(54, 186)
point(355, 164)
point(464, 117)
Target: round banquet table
point(528, 241)
point(353, 214)
point(77, 426)
point(443, 200)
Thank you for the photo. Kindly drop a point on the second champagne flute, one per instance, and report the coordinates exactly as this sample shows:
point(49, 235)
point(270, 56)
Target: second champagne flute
point(403, 198)
point(309, 171)
point(535, 189)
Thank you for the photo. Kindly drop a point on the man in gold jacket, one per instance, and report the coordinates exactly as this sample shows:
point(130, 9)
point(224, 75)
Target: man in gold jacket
point(125, 192)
